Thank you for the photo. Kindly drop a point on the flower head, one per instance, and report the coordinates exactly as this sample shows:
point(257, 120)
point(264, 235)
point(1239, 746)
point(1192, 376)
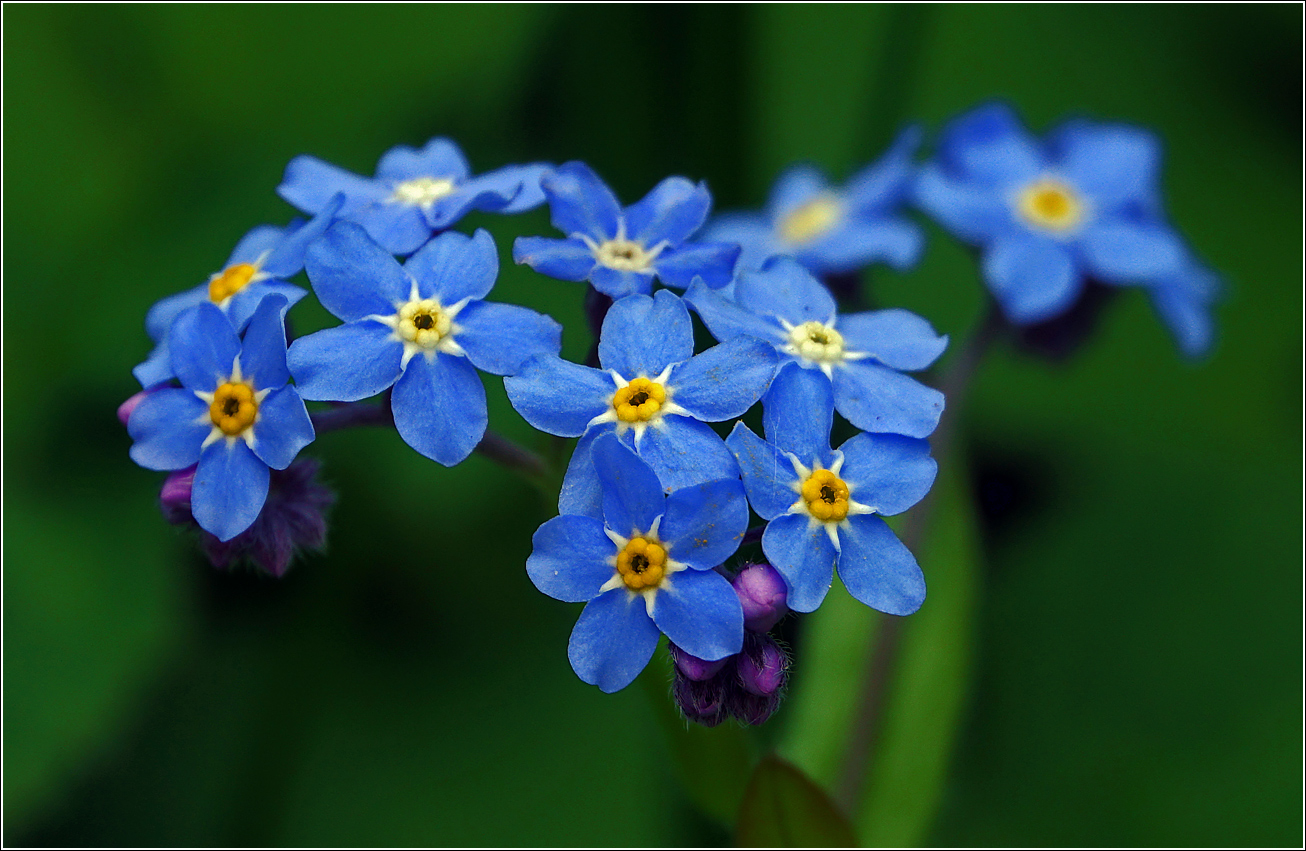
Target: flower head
point(859, 354)
point(414, 193)
point(652, 391)
point(620, 251)
point(234, 414)
point(422, 328)
point(643, 564)
point(1047, 216)
point(831, 230)
point(824, 506)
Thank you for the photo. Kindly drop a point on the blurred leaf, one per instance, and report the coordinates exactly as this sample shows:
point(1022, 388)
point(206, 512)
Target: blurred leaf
point(711, 763)
point(783, 808)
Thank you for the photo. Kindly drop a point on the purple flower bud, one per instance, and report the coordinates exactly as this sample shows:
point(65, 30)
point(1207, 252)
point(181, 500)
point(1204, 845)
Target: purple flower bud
point(126, 408)
point(762, 592)
point(174, 498)
point(753, 709)
point(702, 702)
point(763, 666)
point(695, 668)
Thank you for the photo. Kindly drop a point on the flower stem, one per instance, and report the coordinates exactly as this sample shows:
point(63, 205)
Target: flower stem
point(882, 660)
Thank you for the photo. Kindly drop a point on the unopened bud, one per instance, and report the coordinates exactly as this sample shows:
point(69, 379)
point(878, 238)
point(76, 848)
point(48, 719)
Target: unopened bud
point(702, 702)
point(695, 668)
point(763, 666)
point(174, 497)
point(763, 594)
point(126, 408)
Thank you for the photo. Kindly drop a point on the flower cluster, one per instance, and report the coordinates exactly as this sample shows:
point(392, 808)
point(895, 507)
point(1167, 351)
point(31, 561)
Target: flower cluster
point(658, 494)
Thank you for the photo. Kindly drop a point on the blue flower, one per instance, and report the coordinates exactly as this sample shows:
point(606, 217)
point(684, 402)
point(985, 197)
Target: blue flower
point(833, 230)
point(1047, 216)
point(256, 268)
point(824, 506)
point(414, 193)
point(621, 251)
point(860, 354)
point(234, 414)
point(652, 391)
point(643, 564)
point(422, 328)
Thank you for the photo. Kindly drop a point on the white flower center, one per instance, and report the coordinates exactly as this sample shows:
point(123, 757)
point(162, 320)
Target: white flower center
point(815, 342)
point(422, 191)
point(424, 326)
point(624, 255)
point(810, 220)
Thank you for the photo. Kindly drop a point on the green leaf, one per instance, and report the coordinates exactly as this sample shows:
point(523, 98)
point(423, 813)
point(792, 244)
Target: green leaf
point(783, 808)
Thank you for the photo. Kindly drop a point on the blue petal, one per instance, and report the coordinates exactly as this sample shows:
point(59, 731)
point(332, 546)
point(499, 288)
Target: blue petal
point(793, 188)
point(165, 311)
point(155, 369)
point(283, 428)
point(783, 288)
point(439, 407)
point(231, 485)
point(619, 283)
point(1113, 164)
point(204, 347)
point(856, 243)
point(345, 363)
point(971, 212)
point(438, 158)
point(1032, 277)
point(877, 569)
point(885, 183)
point(287, 257)
point(449, 210)
point(168, 427)
point(798, 413)
point(1120, 252)
point(1182, 301)
point(704, 524)
point(612, 641)
point(632, 495)
point(888, 472)
point(242, 305)
point(310, 184)
point(805, 558)
point(499, 338)
point(896, 338)
point(564, 259)
point(701, 614)
point(558, 396)
point(671, 212)
point(726, 319)
point(398, 228)
point(753, 233)
point(876, 398)
point(685, 452)
point(254, 244)
point(454, 266)
point(580, 203)
point(263, 351)
point(582, 492)
point(768, 474)
point(714, 262)
point(724, 381)
point(353, 276)
point(644, 335)
point(990, 145)
point(517, 185)
point(570, 558)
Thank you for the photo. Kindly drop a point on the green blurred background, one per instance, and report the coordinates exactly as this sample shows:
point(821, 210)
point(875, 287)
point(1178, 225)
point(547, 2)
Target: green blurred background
point(1136, 638)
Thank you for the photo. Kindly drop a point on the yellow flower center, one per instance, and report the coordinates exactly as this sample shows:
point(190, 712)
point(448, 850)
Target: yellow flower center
point(624, 255)
point(638, 401)
point(816, 341)
point(421, 191)
point(233, 408)
point(642, 563)
point(810, 220)
point(230, 281)
point(826, 496)
point(1051, 205)
point(423, 322)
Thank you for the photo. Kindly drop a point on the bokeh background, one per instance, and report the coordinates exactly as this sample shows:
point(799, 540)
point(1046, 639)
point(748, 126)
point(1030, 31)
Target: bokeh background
point(1133, 668)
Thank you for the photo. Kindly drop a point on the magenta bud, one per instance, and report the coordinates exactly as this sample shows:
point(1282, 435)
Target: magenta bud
point(174, 498)
point(753, 709)
point(702, 702)
point(695, 668)
point(763, 667)
point(763, 594)
point(126, 408)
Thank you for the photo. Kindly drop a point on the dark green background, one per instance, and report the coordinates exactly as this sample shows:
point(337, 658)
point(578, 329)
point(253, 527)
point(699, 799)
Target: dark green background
point(1138, 645)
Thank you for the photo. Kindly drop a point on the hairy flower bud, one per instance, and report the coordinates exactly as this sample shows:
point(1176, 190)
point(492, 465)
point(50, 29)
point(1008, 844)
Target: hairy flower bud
point(763, 666)
point(695, 668)
point(762, 592)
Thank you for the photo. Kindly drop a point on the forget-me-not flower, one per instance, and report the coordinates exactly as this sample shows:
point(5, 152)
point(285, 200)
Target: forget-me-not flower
point(619, 251)
point(831, 230)
point(643, 561)
point(653, 391)
point(824, 505)
point(257, 267)
point(414, 193)
point(860, 354)
point(422, 328)
point(1048, 215)
point(234, 414)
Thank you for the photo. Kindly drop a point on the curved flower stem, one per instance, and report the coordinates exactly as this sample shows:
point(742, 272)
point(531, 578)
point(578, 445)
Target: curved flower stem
point(351, 415)
point(879, 672)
